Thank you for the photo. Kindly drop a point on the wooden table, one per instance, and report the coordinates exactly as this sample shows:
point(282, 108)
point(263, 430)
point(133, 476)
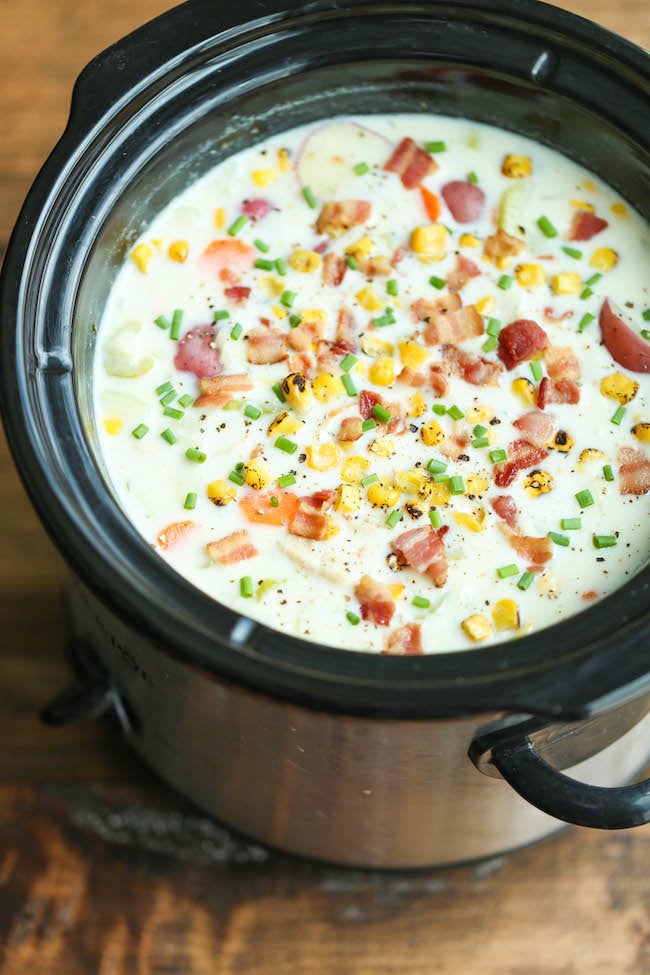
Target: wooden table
point(103, 871)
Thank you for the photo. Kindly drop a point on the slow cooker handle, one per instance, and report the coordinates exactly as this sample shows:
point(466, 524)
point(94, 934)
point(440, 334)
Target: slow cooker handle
point(567, 799)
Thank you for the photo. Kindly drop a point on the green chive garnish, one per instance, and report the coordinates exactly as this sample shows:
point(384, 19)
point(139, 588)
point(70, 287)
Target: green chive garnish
point(439, 409)
point(368, 424)
point(594, 279)
point(388, 318)
point(168, 398)
point(526, 580)
point(570, 524)
point(435, 519)
point(173, 414)
point(436, 466)
point(164, 388)
point(349, 361)
point(381, 413)
point(252, 412)
point(221, 315)
point(507, 570)
point(238, 225)
point(177, 321)
point(439, 146)
point(190, 501)
point(195, 455)
point(161, 321)
point(288, 446)
point(263, 264)
point(585, 321)
point(287, 298)
point(310, 199)
point(440, 478)
point(537, 370)
point(456, 484)
point(498, 455)
point(480, 442)
point(645, 315)
point(605, 541)
point(246, 587)
point(277, 389)
point(236, 477)
point(436, 282)
point(645, 334)
point(286, 480)
point(558, 539)
point(584, 498)
point(140, 431)
point(479, 430)
point(169, 436)
point(348, 383)
point(505, 282)
point(185, 401)
point(236, 331)
point(572, 252)
point(369, 479)
point(361, 168)
point(392, 287)
point(608, 473)
point(421, 602)
point(472, 178)
point(493, 326)
point(618, 416)
point(455, 412)
point(281, 266)
point(262, 245)
point(546, 227)
point(352, 263)
point(490, 344)
point(352, 618)
point(294, 320)
point(394, 518)
point(274, 502)
point(586, 293)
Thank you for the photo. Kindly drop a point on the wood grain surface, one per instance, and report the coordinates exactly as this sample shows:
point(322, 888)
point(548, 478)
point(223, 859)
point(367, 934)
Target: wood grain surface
point(103, 871)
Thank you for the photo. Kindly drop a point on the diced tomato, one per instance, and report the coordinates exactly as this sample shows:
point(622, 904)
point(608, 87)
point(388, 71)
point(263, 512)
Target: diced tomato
point(560, 391)
point(175, 533)
point(501, 244)
point(520, 340)
point(521, 456)
point(431, 204)
point(237, 294)
point(423, 550)
point(351, 429)
point(586, 225)
point(234, 548)
point(634, 471)
point(219, 390)
point(411, 163)
point(197, 352)
point(405, 639)
point(265, 345)
point(256, 209)
point(233, 255)
point(257, 508)
point(338, 216)
point(538, 428)
point(464, 271)
point(465, 200)
point(561, 362)
point(334, 268)
point(346, 331)
point(377, 605)
point(473, 369)
point(625, 346)
point(534, 550)
point(505, 507)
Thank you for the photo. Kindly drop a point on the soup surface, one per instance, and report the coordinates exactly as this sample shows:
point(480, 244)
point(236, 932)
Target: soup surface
point(383, 383)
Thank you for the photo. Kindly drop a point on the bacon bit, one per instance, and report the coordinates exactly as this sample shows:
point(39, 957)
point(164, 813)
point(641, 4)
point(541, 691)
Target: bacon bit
point(351, 429)
point(411, 163)
point(473, 369)
point(521, 456)
point(534, 550)
point(256, 209)
point(373, 267)
point(301, 362)
point(306, 336)
point(538, 427)
point(634, 471)
point(408, 377)
point(424, 311)
point(346, 332)
point(562, 391)
point(585, 225)
point(197, 352)
point(337, 217)
point(438, 380)
point(320, 500)
point(588, 596)
point(625, 346)
point(553, 316)
point(405, 639)
point(431, 204)
point(455, 445)
point(307, 522)
point(328, 358)
point(237, 294)
point(453, 327)
point(398, 255)
point(376, 603)
point(227, 276)
point(219, 390)
point(520, 340)
point(257, 508)
point(233, 255)
point(505, 507)
point(233, 548)
point(423, 550)
point(561, 362)
point(174, 533)
point(368, 399)
point(266, 346)
point(465, 270)
point(465, 200)
point(334, 268)
point(501, 245)
point(321, 247)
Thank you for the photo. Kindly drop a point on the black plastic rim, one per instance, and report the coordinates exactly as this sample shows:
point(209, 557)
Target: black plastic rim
point(587, 662)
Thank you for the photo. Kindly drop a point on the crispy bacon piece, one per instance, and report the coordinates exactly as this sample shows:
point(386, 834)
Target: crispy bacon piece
point(377, 605)
point(473, 369)
point(501, 244)
point(633, 472)
point(585, 225)
point(309, 522)
point(340, 215)
point(174, 533)
point(625, 346)
point(219, 390)
point(538, 428)
point(424, 311)
point(505, 507)
point(346, 332)
point(455, 445)
point(350, 429)
point(561, 362)
point(301, 362)
point(520, 340)
point(368, 399)
point(405, 639)
point(334, 268)
point(256, 209)
point(398, 255)
point(553, 316)
point(557, 391)
point(537, 551)
point(228, 277)
point(328, 359)
point(237, 294)
point(231, 549)
point(411, 378)
point(438, 379)
point(320, 500)
point(373, 266)
point(306, 336)
point(521, 456)
point(265, 345)
point(464, 271)
point(450, 328)
point(411, 163)
point(197, 352)
point(465, 200)
point(423, 550)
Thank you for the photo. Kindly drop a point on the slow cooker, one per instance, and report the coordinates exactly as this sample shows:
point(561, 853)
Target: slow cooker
point(348, 757)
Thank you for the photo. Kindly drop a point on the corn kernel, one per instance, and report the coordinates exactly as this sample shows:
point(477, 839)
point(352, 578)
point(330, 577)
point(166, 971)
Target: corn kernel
point(283, 159)
point(505, 614)
point(484, 305)
point(382, 447)
point(374, 346)
point(438, 494)
point(530, 275)
point(582, 205)
point(396, 590)
point(589, 455)
point(516, 167)
point(430, 242)
point(362, 248)
point(141, 255)
point(481, 413)
point(620, 387)
point(410, 482)
point(283, 423)
point(112, 426)
point(382, 372)
point(256, 474)
point(179, 250)
point(562, 441)
point(323, 457)
point(348, 498)
point(413, 355)
point(475, 523)
point(305, 261)
point(642, 432)
point(504, 262)
point(604, 259)
point(432, 433)
point(619, 209)
point(314, 316)
point(468, 240)
point(417, 405)
point(382, 495)
point(538, 483)
point(264, 177)
point(477, 627)
point(354, 469)
point(279, 311)
point(220, 218)
point(158, 243)
point(221, 493)
point(327, 387)
point(332, 528)
point(476, 484)
point(566, 284)
point(271, 287)
point(369, 300)
point(298, 393)
point(524, 389)
point(589, 186)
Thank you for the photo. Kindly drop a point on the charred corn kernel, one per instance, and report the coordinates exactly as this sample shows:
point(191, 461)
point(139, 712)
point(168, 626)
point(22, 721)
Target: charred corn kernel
point(432, 433)
point(221, 493)
point(505, 614)
point(141, 255)
point(485, 305)
point(562, 441)
point(382, 371)
point(604, 259)
point(475, 523)
point(413, 355)
point(323, 457)
point(589, 186)
point(538, 483)
point(468, 240)
point(327, 387)
point(548, 586)
point(415, 509)
point(362, 248)
point(620, 387)
point(477, 627)
point(396, 590)
point(369, 299)
point(516, 167)
point(582, 205)
point(305, 261)
point(437, 495)
point(354, 469)
point(112, 426)
point(382, 447)
point(271, 287)
point(589, 455)
point(430, 242)
point(314, 316)
point(476, 484)
point(566, 284)
point(374, 346)
point(283, 423)
point(480, 413)
point(642, 432)
point(256, 474)
point(220, 218)
point(297, 391)
point(619, 209)
point(530, 275)
point(348, 498)
point(279, 311)
point(410, 482)
point(283, 159)
point(178, 251)
point(382, 495)
point(332, 528)
point(264, 177)
point(417, 405)
point(524, 389)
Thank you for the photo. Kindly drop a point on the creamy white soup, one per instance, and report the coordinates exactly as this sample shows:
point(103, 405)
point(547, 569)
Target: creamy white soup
point(383, 383)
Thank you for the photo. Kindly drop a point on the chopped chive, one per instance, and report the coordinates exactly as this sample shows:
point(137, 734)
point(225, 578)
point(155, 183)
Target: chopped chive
point(281, 266)
point(480, 442)
point(594, 279)
point(294, 320)
point(572, 252)
point(352, 262)
point(236, 331)
point(439, 409)
point(246, 587)
point(493, 327)
point(457, 484)
point(437, 282)
point(584, 498)
point(537, 371)
point(286, 480)
point(585, 321)
point(546, 227)
point(388, 318)
point(221, 315)
point(274, 502)
point(195, 455)
point(185, 401)
point(239, 466)
point(472, 178)
point(252, 412)
point(161, 321)
point(190, 501)
point(368, 424)
point(173, 414)
point(618, 416)
point(236, 477)
point(645, 315)
point(645, 334)
point(361, 168)
point(392, 287)
point(559, 539)
point(570, 524)
point(505, 282)
point(140, 431)
point(277, 389)
point(455, 412)
point(507, 570)
point(394, 518)
point(421, 602)
point(369, 479)
point(498, 455)
point(352, 618)
point(439, 146)
point(605, 541)
point(349, 361)
point(168, 398)
point(490, 344)
point(436, 466)
point(440, 478)
point(164, 388)
point(586, 293)
point(238, 225)
point(169, 436)
point(526, 580)
point(263, 264)
point(608, 473)
point(434, 518)
point(288, 446)
point(310, 199)
point(479, 431)
point(177, 321)
point(450, 230)
point(287, 298)
point(381, 413)
point(348, 383)
point(262, 245)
